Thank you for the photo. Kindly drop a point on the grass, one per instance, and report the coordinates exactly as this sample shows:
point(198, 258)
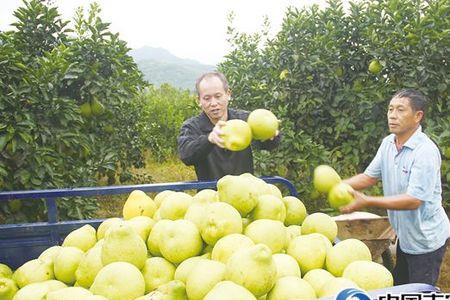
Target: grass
point(174, 170)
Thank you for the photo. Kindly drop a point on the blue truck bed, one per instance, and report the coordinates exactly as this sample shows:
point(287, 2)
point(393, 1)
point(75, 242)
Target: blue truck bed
point(20, 243)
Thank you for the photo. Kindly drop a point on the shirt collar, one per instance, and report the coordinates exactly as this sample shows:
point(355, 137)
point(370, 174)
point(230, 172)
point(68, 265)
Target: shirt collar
point(413, 140)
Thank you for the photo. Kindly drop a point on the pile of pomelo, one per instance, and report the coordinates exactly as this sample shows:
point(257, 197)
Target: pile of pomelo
point(243, 241)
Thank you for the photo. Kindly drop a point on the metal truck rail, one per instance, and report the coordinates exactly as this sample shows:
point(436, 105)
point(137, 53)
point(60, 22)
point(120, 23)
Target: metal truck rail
point(22, 242)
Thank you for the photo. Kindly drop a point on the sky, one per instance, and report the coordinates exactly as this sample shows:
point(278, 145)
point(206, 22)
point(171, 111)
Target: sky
point(194, 29)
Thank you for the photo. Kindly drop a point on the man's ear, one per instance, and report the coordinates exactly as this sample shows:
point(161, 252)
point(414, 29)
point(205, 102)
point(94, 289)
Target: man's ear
point(419, 115)
point(229, 95)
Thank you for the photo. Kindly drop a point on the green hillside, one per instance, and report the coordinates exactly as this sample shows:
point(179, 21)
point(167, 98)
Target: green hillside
point(160, 66)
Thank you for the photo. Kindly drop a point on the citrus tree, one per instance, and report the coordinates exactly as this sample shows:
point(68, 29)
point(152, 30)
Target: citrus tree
point(329, 74)
point(165, 110)
point(68, 105)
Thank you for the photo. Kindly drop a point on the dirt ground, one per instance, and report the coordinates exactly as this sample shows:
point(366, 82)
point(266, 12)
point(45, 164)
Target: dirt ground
point(444, 277)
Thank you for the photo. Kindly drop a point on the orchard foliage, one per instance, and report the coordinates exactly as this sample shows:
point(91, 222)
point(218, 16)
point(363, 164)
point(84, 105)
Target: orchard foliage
point(314, 75)
point(47, 72)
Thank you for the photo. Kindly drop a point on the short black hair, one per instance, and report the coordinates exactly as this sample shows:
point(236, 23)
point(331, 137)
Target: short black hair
point(209, 75)
point(417, 100)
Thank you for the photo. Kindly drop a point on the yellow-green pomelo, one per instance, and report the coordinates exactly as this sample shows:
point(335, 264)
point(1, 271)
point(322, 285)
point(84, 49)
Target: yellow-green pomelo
point(253, 268)
point(49, 254)
point(89, 266)
point(239, 192)
point(175, 205)
point(236, 135)
point(263, 124)
point(184, 269)
point(181, 240)
point(325, 177)
point(269, 207)
point(5, 271)
point(33, 291)
point(226, 290)
point(375, 66)
point(8, 288)
point(291, 287)
point(83, 238)
point(220, 220)
point(69, 293)
point(227, 245)
point(295, 211)
point(261, 186)
point(274, 190)
point(95, 297)
point(157, 215)
point(157, 271)
point(196, 213)
point(286, 265)
point(292, 232)
point(138, 204)
point(155, 236)
point(335, 285)
point(269, 232)
point(206, 252)
point(324, 239)
point(54, 284)
point(369, 275)
point(97, 107)
point(203, 277)
point(142, 225)
point(161, 196)
point(172, 290)
point(66, 263)
point(119, 281)
point(320, 223)
point(339, 195)
point(206, 196)
point(33, 271)
point(122, 243)
point(245, 222)
point(86, 110)
point(105, 225)
point(310, 252)
point(317, 278)
point(344, 253)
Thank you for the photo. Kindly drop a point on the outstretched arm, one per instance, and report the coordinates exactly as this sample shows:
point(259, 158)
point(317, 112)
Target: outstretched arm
point(398, 202)
point(361, 181)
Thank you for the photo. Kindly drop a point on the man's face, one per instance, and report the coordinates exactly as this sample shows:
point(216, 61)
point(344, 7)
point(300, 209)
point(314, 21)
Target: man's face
point(401, 117)
point(213, 98)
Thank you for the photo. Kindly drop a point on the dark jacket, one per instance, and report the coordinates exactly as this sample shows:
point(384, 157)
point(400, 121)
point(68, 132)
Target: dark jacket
point(210, 161)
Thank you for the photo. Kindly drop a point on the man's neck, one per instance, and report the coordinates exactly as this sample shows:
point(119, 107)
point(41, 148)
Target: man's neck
point(224, 118)
point(400, 140)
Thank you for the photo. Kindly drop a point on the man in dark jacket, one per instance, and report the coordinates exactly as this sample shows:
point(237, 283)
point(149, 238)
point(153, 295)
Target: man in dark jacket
point(199, 142)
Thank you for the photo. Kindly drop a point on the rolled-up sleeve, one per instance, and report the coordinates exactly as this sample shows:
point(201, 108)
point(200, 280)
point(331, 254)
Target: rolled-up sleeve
point(374, 168)
point(425, 174)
